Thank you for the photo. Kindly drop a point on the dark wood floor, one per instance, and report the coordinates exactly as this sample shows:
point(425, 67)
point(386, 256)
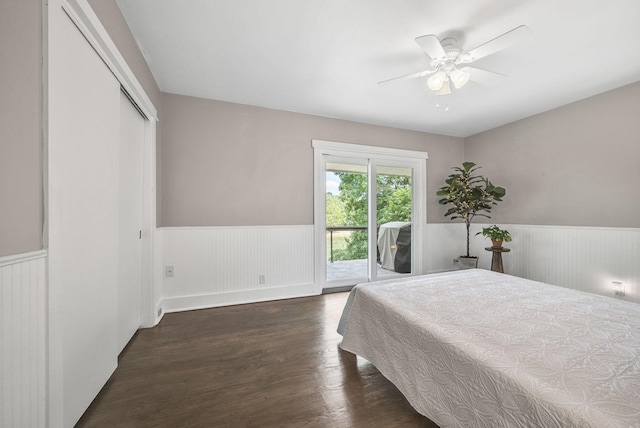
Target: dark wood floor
point(274, 364)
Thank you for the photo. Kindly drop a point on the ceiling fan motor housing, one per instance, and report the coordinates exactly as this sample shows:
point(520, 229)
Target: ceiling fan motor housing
point(446, 69)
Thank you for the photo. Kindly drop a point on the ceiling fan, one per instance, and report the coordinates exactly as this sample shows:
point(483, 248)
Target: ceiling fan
point(447, 60)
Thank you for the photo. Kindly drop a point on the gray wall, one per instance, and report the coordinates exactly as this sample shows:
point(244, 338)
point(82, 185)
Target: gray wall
point(21, 194)
point(578, 165)
point(226, 164)
point(113, 21)
point(221, 162)
point(21, 204)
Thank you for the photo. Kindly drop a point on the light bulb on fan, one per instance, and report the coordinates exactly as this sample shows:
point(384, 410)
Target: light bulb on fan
point(445, 89)
point(436, 81)
point(460, 77)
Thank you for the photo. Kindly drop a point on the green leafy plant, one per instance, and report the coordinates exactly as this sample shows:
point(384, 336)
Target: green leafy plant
point(470, 194)
point(496, 235)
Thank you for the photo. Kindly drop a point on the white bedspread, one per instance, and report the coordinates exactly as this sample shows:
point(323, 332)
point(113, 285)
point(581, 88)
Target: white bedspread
point(476, 348)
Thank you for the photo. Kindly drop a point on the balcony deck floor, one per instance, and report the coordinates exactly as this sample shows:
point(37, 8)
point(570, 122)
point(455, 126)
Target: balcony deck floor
point(347, 269)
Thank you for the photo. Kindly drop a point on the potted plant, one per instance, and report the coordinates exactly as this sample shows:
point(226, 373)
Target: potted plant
point(470, 195)
point(496, 235)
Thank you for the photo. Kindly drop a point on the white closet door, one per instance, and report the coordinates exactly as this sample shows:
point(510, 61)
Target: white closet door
point(130, 221)
point(83, 177)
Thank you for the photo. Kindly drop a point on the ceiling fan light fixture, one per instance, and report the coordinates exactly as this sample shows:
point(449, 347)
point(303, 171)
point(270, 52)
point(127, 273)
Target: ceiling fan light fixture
point(445, 89)
point(436, 82)
point(460, 77)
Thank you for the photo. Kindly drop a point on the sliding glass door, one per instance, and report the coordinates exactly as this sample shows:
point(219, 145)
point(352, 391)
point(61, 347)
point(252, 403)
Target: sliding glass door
point(394, 215)
point(347, 220)
point(370, 220)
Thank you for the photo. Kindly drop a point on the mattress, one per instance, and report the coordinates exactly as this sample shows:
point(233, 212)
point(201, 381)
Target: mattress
point(483, 349)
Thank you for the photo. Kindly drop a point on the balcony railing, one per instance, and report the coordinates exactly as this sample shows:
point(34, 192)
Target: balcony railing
point(341, 229)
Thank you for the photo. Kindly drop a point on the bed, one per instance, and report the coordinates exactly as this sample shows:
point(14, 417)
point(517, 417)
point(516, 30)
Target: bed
point(476, 348)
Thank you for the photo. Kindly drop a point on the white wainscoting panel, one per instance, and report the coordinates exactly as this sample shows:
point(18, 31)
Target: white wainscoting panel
point(216, 266)
point(23, 342)
point(443, 243)
point(582, 258)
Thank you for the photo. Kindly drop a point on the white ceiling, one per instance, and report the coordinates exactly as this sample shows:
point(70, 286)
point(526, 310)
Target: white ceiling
point(325, 57)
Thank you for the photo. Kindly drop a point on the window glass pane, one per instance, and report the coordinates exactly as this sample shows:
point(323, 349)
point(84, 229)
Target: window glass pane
point(346, 221)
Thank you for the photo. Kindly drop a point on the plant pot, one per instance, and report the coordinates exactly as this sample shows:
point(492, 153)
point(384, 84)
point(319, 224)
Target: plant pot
point(497, 244)
point(464, 262)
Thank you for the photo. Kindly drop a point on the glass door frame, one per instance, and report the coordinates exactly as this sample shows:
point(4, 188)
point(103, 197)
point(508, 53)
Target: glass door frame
point(375, 156)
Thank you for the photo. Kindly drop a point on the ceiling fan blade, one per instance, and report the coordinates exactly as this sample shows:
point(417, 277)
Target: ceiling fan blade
point(432, 47)
point(504, 41)
point(488, 78)
point(407, 76)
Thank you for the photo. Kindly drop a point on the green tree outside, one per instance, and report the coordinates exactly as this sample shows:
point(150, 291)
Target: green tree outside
point(335, 211)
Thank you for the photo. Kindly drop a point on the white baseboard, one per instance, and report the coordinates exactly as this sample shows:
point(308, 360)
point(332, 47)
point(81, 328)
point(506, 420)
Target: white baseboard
point(203, 301)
